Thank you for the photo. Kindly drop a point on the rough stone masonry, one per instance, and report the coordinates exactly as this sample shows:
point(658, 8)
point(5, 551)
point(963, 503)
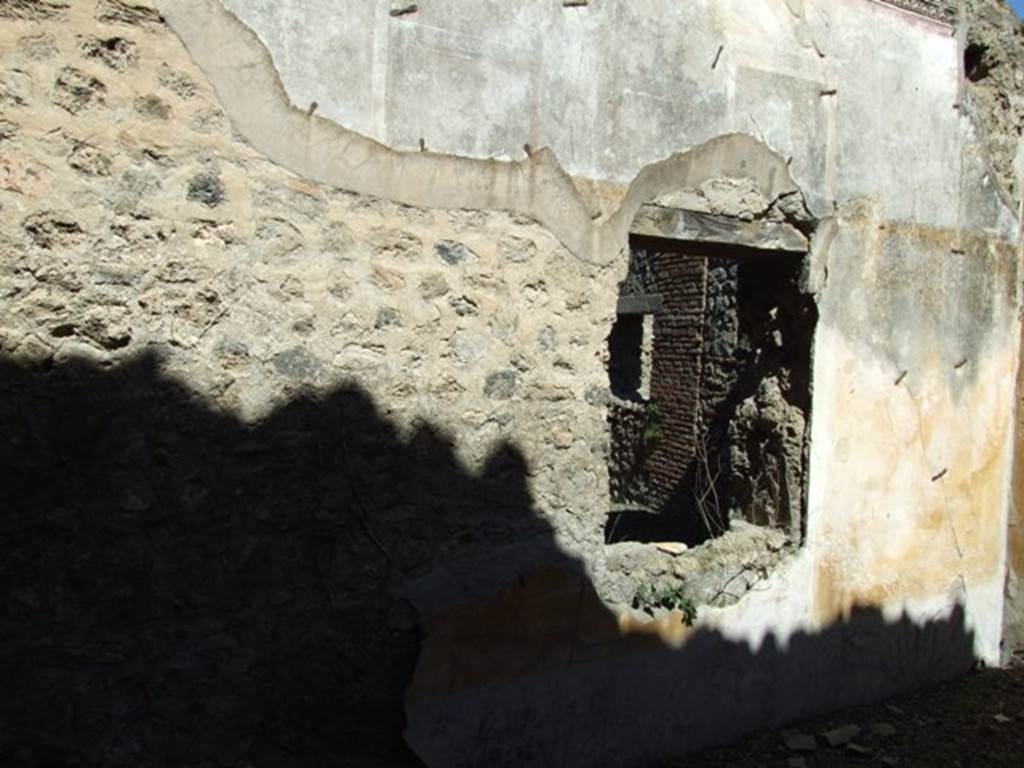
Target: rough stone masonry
point(304, 387)
point(162, 282)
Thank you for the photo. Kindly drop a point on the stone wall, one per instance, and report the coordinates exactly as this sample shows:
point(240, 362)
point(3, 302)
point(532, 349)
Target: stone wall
point(993, 55)
point(994, 87)
point(721, 359)
point(629, 448)
point(142, 223)
point(255, 426)
point(287, 411)
point(756, 414)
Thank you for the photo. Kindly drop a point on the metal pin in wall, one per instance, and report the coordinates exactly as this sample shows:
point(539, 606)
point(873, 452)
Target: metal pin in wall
point(718, 55)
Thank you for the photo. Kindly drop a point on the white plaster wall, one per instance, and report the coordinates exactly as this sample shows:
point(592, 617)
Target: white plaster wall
point(854, 91)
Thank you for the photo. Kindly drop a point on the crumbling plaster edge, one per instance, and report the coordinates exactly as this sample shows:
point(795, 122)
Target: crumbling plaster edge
point(253, 96)
point(916, 10)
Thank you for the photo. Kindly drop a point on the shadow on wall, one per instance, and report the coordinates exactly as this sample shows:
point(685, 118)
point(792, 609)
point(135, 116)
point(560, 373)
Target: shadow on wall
point(182, 588)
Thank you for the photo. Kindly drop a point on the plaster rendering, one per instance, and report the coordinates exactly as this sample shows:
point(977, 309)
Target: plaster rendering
point(306, 368)
point(588, 84)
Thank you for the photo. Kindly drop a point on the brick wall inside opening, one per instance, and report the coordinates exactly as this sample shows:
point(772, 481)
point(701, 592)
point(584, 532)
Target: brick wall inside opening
point(723, 433)
point(676, 371)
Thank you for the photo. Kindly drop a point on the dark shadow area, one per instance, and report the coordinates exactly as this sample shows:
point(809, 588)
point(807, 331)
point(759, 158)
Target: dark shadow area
point(625, 367)
point(181, 588)
point(644, 526)
point(568, 687)
point(977, 66)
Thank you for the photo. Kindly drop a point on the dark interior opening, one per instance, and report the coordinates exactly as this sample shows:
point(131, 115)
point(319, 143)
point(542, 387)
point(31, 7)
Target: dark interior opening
point(976, 64)
point(723, 434)
point(645, 526)
point(625, 357)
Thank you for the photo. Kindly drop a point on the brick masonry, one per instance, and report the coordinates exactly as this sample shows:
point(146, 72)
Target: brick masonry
point(723, 432)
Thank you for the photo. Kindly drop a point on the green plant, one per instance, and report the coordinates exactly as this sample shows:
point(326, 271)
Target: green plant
point(652, 427)
point(670, 597)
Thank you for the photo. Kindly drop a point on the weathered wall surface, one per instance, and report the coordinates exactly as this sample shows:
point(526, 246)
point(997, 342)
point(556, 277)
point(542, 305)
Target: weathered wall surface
point(994, 48)
point(601, 85)
point(994, 40)
point(201, 352)
point(288, 407)
point(136, 221)
point(886, 425)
